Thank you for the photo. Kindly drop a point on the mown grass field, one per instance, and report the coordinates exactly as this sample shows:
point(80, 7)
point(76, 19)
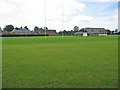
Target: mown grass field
point(72, 62)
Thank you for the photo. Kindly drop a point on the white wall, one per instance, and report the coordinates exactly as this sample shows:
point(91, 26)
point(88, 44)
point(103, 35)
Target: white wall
point(85, 34)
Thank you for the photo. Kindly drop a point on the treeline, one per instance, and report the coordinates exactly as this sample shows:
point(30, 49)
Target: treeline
point(76, 29)
point(10, 28)
point(71, 32)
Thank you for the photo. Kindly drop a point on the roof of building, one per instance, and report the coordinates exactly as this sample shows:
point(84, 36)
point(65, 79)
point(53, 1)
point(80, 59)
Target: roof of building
point(87, 32)
point(42, 30)
point(94, 28)
point(21, 31)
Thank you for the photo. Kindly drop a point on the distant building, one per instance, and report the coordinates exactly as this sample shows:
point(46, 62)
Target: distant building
point(24, 31)
point(92, 32)
point(48, 32)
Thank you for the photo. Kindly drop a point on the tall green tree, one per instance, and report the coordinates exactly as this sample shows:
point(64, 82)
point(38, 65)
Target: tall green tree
point(72, 32)
point(116, 30)
point(21, 28)
point(108, 31)
point(16, 28)
point(45, 28)
point(82, 29)
point(8, 28)
point(41, 28)
point(26, 27)
point(36, 28)
point(64, 32)
point(76, 28)
point(113, 32)
point(60, 33)
point(0, 28)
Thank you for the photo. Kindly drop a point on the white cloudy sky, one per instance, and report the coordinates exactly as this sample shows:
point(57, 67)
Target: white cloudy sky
point(92, 13)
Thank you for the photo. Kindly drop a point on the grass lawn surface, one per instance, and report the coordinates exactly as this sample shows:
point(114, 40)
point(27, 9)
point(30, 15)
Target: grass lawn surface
point(72, 62)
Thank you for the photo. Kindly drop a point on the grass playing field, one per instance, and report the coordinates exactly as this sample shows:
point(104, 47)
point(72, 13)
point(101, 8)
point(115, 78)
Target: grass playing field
point(72, 62)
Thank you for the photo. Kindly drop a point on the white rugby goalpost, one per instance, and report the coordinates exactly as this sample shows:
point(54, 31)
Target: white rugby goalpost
point(62, 18)
point(45, 17)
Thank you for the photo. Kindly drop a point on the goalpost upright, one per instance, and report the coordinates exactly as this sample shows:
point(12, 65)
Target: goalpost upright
point(62, 19)
point(45, 17)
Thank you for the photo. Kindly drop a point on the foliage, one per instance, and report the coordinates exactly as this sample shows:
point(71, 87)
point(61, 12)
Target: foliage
point(45, 28)
point(8, 28)
point(36, 28)
point(26, 27)
point(82, 29)
point(76, 28)
point(16, 28)
point(21, 28)
point(66, 33)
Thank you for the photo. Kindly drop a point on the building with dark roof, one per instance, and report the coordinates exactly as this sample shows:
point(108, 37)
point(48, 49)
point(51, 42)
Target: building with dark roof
point(48, 32)
point(92, 32)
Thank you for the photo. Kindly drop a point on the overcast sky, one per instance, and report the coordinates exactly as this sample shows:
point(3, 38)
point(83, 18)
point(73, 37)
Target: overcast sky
point(92, 13)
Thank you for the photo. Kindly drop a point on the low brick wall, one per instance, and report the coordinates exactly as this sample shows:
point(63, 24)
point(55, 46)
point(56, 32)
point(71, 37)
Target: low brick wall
point(22, 35)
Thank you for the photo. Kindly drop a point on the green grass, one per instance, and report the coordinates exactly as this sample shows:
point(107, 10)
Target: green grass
point(72, 62)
